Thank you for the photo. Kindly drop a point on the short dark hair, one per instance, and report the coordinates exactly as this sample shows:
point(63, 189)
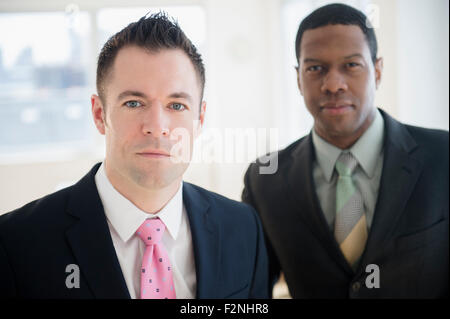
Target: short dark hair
point(153, 33)
point(337, 13)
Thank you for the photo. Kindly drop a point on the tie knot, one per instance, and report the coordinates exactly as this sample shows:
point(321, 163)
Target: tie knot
point(151, 231)
point(346, 164)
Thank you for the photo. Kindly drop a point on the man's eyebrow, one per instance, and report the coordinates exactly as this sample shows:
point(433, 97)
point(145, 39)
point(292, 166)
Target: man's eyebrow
point(124, 94)
point(307, 60)
point(311, 60)
point(181, 95)
point(356, 55)
point(176, 95)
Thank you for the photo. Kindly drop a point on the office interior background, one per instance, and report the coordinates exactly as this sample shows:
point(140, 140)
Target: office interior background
point(48, 52)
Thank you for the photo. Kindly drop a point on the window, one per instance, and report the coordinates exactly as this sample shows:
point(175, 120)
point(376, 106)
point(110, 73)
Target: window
point(47, 73)
point(43, 80)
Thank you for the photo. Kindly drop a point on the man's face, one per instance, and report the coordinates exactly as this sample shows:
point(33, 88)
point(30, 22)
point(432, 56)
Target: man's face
point(338, 80)
point(152, 103)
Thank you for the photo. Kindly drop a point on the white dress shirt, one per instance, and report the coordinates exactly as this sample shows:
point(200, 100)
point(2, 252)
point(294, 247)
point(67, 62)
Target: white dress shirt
point(124, 218)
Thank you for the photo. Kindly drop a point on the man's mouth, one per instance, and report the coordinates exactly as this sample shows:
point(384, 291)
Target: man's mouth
point(336, 108)
point(154, 153)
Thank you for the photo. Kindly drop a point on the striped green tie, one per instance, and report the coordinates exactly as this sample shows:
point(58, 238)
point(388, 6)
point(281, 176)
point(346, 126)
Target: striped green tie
point(350, 228)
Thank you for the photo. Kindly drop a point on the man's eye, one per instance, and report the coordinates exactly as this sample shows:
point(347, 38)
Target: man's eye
point(314, 68)
point(352, 64)
point(177, 106)
point(133, 104)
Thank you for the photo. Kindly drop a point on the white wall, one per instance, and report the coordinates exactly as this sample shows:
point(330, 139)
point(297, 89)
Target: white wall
point(422, 56)
point(246, 86)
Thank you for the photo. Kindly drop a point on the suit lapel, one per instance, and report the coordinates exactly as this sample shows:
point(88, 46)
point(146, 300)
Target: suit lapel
point(400, 174)
point(91, 243)
point(305, 202)
point(206, 242)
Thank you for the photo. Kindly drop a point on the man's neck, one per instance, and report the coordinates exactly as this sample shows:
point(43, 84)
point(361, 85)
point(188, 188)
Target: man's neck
point(150, 201)
point(341, 142)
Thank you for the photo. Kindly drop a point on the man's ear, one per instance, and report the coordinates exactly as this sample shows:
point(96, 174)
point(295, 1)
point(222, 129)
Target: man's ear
point(202, 113)
point(297, 69)
point(201, 120)
point(98, 113)
point(378, 71)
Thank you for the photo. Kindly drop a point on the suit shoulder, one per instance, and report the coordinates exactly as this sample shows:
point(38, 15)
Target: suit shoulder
point(433, 140)
point(429, 135)
point(282, 153)
point(281, 156)
point(35, 212)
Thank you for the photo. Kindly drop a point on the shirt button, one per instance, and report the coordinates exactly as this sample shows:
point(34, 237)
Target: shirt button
point(356, 286)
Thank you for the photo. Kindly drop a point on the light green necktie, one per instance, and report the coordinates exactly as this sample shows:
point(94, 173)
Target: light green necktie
point(350, 228)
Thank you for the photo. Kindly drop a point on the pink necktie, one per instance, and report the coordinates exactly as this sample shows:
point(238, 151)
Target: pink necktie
point(156, 272)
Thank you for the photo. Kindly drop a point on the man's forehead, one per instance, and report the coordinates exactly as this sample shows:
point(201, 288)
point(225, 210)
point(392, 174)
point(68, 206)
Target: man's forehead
point(139, 59)
point(139, 68)
point(166, 61)
point(340, 37)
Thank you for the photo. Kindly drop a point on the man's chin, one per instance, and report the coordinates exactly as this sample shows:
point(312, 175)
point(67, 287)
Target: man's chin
point(337, 129)
point(157, 177)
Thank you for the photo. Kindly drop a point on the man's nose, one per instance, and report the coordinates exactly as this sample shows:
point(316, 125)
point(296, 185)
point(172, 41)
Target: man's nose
point(334, 82)
point(156, 121)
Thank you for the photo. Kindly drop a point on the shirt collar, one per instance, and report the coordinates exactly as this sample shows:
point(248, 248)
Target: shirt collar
point(326, 155)
point(126, 218)
point(368, 147)
point(365, 150)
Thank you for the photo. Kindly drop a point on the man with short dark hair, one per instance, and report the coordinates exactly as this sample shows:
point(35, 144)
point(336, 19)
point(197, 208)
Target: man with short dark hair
point(359, 207)
point(131, 227)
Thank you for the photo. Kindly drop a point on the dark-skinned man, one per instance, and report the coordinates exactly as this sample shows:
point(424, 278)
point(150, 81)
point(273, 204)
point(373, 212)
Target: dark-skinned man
point(359, 207)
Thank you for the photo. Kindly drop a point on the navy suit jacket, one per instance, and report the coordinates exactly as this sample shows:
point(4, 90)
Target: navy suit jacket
point(408, 239)
point(39, 240)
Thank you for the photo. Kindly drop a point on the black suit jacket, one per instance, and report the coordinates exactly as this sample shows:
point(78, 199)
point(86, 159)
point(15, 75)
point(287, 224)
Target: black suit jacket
point(408, 239)
point(39, 240)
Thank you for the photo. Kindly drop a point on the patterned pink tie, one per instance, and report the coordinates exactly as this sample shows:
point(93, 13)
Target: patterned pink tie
point(156, 272)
